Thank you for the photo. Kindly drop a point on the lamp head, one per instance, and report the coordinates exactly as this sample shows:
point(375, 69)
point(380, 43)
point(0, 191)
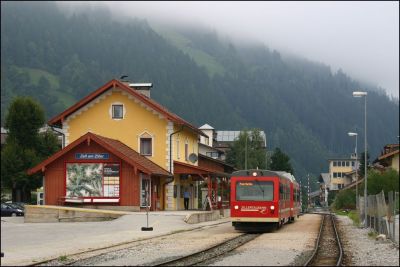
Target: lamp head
point(359, 94)
point(352, 134)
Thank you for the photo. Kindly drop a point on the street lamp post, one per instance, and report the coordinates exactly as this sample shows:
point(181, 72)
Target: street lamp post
point(364, 94)
point(308, 188)
point(356, 166)
point(245, 154)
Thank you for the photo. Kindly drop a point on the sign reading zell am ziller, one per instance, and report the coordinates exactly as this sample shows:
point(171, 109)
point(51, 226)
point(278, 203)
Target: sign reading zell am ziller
point(92, 155)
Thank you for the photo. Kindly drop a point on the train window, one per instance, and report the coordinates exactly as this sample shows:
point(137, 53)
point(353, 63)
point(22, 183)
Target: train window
point(255, 190)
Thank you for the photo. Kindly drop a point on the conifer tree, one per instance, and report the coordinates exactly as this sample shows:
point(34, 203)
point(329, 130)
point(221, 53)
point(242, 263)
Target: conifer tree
point(25, 147)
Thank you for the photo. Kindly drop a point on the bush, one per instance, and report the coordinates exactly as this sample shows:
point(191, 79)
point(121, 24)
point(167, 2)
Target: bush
point(345, 199)
point(386, 181)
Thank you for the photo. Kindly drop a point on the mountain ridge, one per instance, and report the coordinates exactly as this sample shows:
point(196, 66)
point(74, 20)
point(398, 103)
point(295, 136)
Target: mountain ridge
point(303, 106)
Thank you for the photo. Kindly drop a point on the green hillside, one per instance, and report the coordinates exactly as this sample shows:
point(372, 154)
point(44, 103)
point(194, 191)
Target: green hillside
point(185, 45)
point(304, 107)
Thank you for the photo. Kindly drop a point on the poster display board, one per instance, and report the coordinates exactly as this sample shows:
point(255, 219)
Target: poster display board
point(92, 179)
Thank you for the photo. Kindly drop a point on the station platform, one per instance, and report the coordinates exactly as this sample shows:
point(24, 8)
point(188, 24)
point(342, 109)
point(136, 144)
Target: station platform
point(26, 243)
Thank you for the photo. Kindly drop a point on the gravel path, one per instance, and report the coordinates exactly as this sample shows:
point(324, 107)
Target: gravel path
point(157, 250)
point(287, 246)
point(362, 250)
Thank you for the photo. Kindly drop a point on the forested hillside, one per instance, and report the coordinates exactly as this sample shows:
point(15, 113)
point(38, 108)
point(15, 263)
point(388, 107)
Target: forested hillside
point(304, 108)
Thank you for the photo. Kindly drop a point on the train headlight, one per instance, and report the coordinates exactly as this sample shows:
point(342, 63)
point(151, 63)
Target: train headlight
point(272, 207)
point(236, 207)
point(254, 173)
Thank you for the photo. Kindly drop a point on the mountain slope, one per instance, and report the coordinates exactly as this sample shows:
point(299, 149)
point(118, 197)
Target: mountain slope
point(304, 108)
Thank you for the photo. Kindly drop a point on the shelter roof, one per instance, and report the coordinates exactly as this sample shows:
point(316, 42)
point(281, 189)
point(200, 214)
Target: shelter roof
point(114, 146)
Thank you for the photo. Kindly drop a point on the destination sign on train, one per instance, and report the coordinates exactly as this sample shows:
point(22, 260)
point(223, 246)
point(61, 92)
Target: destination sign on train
point(245, 184)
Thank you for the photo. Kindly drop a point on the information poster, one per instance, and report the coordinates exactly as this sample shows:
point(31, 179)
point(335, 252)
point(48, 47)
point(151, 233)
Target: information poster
point(111, 179)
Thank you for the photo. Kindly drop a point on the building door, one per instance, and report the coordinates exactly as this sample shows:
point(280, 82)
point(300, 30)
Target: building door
point(156, 194)
point(145, 191)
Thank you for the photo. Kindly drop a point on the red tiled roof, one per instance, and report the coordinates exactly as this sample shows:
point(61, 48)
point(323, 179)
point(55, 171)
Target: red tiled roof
point(115, 83)
point(114, 146)
point(388, 154)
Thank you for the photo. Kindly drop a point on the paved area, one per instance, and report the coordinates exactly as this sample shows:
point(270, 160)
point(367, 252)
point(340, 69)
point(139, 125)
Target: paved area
point(27, 243)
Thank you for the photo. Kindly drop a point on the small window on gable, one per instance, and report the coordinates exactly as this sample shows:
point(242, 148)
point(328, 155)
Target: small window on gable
point(117, 111)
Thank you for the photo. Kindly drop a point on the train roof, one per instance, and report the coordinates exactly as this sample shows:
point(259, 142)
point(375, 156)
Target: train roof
point(281, 174)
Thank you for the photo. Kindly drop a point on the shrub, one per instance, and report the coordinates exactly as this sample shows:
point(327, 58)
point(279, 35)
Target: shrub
point(345, 199)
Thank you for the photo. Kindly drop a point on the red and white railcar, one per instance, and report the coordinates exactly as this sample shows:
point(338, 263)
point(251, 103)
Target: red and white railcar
point(262, 199)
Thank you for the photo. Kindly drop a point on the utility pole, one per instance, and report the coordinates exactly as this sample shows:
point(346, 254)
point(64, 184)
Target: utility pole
point(301, 197)
point(245, 155)
point(308, 186)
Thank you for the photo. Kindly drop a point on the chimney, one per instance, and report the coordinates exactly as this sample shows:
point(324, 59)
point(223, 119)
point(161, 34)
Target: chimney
point(143, 88)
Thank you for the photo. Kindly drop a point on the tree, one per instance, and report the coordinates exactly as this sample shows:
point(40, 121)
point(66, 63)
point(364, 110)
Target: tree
point(25, 147)
point(361, 169)
point(386, 181)
point(280, 162)
point(248, 143)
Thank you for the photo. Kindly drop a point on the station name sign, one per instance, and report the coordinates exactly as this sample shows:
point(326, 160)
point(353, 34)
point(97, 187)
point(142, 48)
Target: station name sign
point(92, 156)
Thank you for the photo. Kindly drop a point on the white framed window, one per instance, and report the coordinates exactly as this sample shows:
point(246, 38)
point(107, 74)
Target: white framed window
point(146, 144)
point(146, 147)
point(117, 111)
point(187, 150)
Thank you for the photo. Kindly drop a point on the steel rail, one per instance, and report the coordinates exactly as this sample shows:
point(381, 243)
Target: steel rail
point(317, 242)
point(201, 256)
point(114, 246)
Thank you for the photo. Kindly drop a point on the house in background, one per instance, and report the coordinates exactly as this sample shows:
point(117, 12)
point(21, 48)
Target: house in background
point(125, 150)
point(207, 144)
point(4, 134)
point(226, 138)
point(389, 158)
point(339, 170)
point(324, 180)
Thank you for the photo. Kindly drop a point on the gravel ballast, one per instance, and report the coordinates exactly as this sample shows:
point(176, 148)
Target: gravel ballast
point(362, 250)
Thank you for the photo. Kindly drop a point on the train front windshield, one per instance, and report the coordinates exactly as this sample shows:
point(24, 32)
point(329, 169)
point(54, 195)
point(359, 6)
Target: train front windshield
point(255, 190)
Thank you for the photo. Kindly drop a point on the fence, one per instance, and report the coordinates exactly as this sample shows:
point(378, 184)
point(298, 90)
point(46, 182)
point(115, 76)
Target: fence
point(382, 214)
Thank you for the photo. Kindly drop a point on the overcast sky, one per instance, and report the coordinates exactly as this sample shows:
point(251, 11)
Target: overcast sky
point(361, 38)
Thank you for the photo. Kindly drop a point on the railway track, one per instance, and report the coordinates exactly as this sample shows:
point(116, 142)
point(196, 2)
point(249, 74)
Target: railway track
point(76, 258)
point(328, 248)
point(210, 253)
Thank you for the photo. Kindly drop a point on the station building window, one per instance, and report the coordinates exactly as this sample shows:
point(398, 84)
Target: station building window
point(186, 150)
point(146, 144)
point(118, 111)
